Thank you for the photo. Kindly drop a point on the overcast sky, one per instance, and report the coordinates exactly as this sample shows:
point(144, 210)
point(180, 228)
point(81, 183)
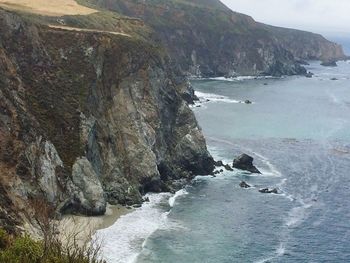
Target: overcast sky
point(321, 16)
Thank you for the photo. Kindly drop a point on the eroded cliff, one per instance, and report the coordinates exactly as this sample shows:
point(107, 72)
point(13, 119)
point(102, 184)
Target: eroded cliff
point(88, 118)
point(208, 39)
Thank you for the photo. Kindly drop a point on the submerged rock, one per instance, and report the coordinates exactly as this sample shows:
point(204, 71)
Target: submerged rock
point(245, 162)
point(228, 167)
point(269, 191)
point(218, 163)
point(309, 74)
point(329, 63)
point(244, 185)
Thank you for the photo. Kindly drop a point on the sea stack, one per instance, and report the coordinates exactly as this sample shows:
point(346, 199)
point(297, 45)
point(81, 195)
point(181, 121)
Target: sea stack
point(245, 162)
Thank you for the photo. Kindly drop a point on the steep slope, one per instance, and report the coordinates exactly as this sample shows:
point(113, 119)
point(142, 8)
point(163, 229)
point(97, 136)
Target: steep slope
point(305, 45)
point(88, 118)
point(206, 38)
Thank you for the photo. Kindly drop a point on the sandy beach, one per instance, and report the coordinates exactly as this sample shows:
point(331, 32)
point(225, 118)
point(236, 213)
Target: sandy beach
point(82, 228)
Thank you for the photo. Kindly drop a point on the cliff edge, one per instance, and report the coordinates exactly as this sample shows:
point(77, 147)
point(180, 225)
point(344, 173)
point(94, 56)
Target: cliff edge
point(208, 39)
point(88, 118)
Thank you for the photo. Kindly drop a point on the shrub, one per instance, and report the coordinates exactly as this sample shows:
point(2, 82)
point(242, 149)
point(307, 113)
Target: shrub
point(23, 249)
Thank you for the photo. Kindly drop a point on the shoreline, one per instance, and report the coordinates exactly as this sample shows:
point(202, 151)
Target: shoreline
point(80, 229)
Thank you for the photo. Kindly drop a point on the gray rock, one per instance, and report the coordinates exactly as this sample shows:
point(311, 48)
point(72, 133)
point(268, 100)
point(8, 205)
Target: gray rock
point(218, 163)
point(245, 162)
point(89, 198)
point(309, 74)
point(244, 185)
point(329, 63)
point(269, 191)
point(228, 167)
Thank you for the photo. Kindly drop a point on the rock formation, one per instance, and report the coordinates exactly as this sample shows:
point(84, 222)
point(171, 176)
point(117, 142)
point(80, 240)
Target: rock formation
point(208, 39)
point(329, 63)
point(243, 184)
point(88, 118)
point(269, 191)
point(245, 162)
point(94, 109)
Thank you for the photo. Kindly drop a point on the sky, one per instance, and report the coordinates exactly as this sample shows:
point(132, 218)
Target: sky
point(320, 16)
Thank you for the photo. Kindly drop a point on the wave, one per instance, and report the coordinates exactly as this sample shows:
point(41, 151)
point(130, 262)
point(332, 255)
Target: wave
point(240, 78)
point(123, 241)
point(272, 169)
point(210, 97)
point(280, 251)
point(297, 215)
point(176, 195)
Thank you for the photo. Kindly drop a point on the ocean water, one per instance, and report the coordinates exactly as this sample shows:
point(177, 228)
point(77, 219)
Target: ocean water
point(298, 131)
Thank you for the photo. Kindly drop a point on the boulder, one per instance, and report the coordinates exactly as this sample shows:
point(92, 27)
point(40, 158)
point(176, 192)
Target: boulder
point(244, 185)
point(329, 63)
point(228, 167)
point(218, 163)
point(245, 162)
point(309, 74)
point(269, 191)
point(89, 198)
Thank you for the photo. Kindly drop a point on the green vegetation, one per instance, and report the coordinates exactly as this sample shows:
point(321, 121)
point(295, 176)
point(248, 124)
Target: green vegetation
point(50, 248)
point(23, 249)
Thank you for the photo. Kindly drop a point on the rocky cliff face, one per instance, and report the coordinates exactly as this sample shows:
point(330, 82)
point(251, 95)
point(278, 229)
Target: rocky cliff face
point(307, 46)
point(206, 38)
point(88, 118)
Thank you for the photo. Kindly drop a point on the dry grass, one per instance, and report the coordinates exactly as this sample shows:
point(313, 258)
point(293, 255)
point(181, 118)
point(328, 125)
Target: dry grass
point(47, 7)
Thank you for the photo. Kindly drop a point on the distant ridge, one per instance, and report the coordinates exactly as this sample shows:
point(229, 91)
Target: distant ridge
point(207, 39)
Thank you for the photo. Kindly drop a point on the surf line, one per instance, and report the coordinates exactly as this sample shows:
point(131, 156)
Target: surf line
point(273, 170)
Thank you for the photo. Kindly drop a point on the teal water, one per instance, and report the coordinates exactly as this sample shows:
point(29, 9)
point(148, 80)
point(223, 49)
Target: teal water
point(298, 131)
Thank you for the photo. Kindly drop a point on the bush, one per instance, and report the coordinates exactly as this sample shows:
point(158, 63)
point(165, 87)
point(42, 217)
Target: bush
point(24, 249)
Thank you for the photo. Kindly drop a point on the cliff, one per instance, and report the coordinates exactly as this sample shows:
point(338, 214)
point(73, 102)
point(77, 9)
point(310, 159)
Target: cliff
point(208, 39)
point(93, 107)
point(88, 118)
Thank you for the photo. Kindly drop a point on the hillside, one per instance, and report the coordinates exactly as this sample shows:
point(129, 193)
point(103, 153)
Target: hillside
point(87, 118)
point(94, 97)
point(209, 39)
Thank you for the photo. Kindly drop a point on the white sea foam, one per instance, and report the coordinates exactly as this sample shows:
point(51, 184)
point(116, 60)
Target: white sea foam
point(176, 195)
point(297, 215)
point(123, 241)
point(204, 97)
point(280, 251)
point(272, 169)
point(241, 78)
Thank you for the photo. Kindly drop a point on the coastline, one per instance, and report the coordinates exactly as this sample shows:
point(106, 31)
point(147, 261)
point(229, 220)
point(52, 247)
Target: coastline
point(82, 228)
